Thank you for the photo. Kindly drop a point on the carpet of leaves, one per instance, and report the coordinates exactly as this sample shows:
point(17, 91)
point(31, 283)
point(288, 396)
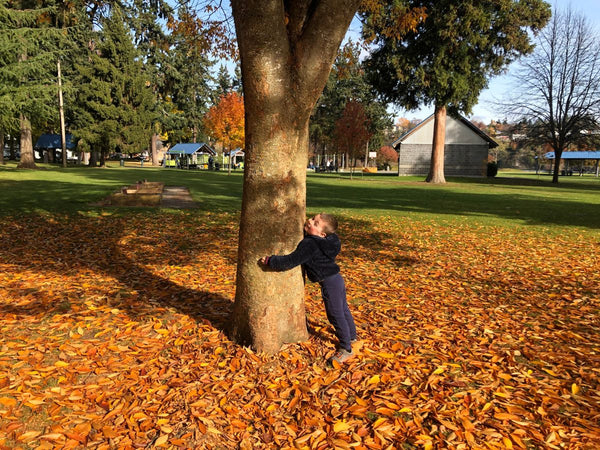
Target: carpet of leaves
point(112, 334)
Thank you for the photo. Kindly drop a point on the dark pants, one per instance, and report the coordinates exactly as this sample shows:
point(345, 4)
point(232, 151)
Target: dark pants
point(333, 290)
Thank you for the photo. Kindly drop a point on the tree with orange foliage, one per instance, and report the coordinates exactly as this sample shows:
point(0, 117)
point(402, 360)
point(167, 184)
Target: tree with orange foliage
point(225, 120)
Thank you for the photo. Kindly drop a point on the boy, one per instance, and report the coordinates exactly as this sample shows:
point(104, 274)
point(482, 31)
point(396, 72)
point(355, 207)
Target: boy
point(316, 253)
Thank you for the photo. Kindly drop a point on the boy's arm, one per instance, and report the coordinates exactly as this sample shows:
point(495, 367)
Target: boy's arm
point(301, 255)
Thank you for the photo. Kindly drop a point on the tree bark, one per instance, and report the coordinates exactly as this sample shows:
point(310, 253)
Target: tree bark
point(2, 148)
point(436, 168)
point(12, 150)
point(557, 157)
point(286, 49)
point(27, 161)
point(153, 150)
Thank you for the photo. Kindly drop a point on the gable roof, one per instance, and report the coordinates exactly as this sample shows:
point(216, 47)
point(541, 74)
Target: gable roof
point(460, 118)
point(190, 149)
point(53, 141)
point(574, 155)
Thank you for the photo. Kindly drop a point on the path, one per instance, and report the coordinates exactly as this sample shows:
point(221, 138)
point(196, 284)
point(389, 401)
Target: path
point(177, 197)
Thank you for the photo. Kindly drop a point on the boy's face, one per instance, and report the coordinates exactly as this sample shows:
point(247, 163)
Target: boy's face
point(314, 226)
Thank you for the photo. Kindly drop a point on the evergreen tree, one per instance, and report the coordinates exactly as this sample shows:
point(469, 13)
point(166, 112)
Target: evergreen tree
point(114, 103)
point(33, 36)
point(189, 83)
point(154, 46)
point(450, 55)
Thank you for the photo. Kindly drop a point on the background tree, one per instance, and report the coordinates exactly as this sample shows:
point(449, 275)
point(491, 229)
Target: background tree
point(450, 56)
point(346, 82)
point(557, 89)
point(153, 43)
point(114, 103)
point(387, 155)
point(189, 77)
point(225, 121)
point(352, 134)
point(32, 38)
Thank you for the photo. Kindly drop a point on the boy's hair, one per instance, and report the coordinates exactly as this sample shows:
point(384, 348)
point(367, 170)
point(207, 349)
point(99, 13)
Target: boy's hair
point(330, 223)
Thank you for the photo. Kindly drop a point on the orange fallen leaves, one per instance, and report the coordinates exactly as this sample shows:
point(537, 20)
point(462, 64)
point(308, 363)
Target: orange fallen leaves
point(112, 335)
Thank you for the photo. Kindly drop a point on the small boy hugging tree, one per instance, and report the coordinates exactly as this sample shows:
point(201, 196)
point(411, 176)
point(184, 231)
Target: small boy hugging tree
point(316, 253)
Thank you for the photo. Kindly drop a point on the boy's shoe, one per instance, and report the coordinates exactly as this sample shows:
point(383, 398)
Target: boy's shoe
point(341, 356)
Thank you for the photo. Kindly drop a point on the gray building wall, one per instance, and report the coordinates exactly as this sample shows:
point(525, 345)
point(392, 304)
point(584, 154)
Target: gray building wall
point(459, 159)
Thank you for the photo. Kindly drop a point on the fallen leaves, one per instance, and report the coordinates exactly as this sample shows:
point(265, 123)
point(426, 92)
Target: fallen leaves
point(111, 335)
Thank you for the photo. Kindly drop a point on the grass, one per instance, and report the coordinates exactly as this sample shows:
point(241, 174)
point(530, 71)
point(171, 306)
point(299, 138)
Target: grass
point(513, 198)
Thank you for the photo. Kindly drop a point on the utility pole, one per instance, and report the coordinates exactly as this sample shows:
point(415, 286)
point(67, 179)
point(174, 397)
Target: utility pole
point(61, 110)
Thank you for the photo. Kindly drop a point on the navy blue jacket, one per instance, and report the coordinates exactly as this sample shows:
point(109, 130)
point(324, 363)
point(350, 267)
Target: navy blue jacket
point(316, 254)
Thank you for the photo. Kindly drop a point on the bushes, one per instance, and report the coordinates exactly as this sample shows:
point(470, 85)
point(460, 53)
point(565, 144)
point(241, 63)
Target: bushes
point(492, 169)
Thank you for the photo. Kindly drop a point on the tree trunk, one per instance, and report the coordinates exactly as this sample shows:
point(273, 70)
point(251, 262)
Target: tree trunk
point(2, 148)
point(153, 149)
point(436, 169)
point(286, 49)
point(12, 150)
point(557, 157)
point(27, 161)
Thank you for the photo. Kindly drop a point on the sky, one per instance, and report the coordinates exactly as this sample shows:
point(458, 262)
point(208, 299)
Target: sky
point(484, 111)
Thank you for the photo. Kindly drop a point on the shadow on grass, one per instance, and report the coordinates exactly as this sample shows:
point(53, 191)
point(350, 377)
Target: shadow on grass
point(533, 209)
point(538, 202)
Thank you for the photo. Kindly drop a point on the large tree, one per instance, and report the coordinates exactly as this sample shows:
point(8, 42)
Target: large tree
point(346, 82)
point(33, 36)
point(224, 121)
point(188, 76)
point(286, 50)
point(114, 104)
point(557, 90)
point(449, 58)
point(351, 133)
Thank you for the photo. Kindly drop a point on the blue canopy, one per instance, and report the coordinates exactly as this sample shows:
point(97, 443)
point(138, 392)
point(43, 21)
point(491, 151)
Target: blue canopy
point(236, 152)
point(53, 141)
point(190, 149)
point(575, 155)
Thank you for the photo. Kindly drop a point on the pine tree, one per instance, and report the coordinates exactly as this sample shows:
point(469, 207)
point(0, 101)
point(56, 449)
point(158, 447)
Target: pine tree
point(33, 37)
point(189, 79)
point(114, 103)
point(447, 59)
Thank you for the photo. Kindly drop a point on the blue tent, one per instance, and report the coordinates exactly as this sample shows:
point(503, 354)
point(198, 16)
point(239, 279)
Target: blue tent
point(190, 149)
point(575, 155)
point(52, 141)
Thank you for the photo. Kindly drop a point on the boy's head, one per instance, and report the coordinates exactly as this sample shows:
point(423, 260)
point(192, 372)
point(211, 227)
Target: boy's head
point(321, 225)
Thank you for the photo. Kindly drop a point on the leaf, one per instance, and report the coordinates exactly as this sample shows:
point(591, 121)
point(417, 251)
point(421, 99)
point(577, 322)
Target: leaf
point(340, 426)
point(162, 440)
point(574, 389)
point(8, 401)
point(374, 379)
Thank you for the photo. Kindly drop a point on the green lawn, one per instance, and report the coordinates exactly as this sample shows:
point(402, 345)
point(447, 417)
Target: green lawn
point(511, 199)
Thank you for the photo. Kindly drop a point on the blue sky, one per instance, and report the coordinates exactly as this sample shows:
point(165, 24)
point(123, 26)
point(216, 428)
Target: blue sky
point(484, 110)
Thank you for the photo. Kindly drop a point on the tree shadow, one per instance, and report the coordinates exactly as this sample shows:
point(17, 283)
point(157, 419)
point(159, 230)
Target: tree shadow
point(531, 209)
point(81, 245)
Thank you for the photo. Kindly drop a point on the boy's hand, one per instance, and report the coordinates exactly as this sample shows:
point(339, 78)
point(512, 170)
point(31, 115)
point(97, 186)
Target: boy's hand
point(264, 260)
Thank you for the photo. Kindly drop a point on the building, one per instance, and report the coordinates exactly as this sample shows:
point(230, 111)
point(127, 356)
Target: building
point(465, 152)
